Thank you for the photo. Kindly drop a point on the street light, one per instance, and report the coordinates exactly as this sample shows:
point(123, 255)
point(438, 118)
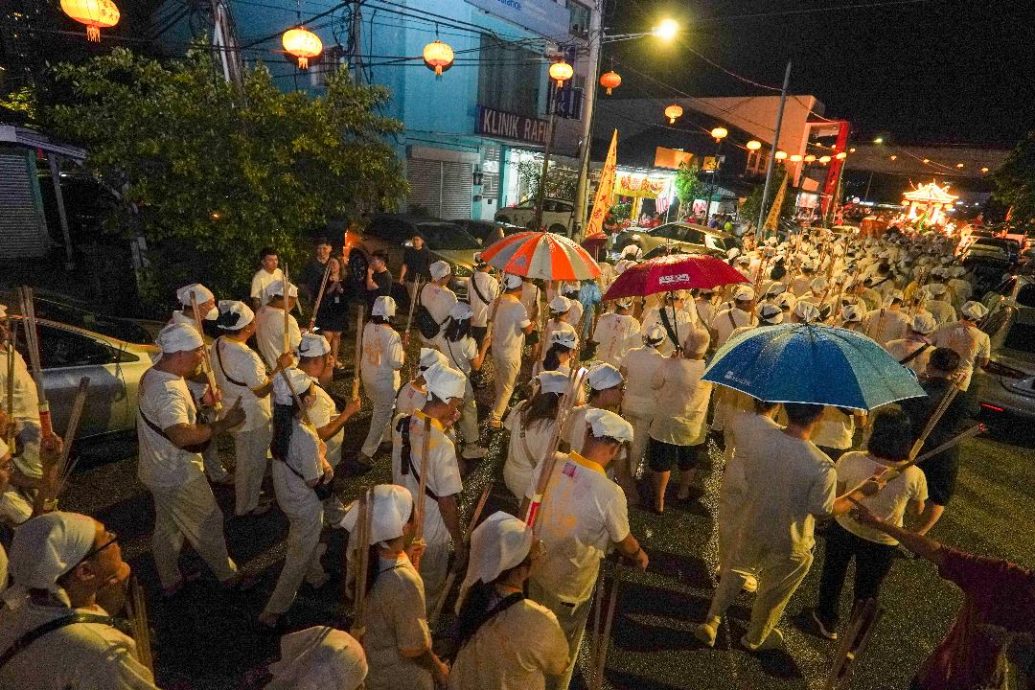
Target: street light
point(560, 72)
point(824, 159)
point(673, 112)
point(753, 145)
point(666, 30)
point(795, 158)
point(809, 158)
point(780, 155)
point(719, 133)
point(878, 140)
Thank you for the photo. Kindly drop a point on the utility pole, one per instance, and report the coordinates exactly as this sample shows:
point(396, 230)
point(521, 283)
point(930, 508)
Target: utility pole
point(589, 97)
point(355, 25)
point(224, 42)
point(776, 145)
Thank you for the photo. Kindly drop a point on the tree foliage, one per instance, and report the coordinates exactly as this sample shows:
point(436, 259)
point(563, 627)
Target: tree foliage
point(688, 185)
point(208, 176)
point(1015, 181)
point(561, 182)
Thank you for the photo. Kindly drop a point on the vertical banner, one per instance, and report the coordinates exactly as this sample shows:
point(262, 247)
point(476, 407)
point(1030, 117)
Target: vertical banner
point(602, 200)
point(772, 220)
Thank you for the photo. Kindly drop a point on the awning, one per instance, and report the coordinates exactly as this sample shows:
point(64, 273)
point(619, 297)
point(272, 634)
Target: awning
point(21, 136)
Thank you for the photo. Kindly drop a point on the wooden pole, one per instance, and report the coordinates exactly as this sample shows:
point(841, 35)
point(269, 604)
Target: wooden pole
point(32, 345)
point(413, 305)
point(453, 572)
point(286, 342)
point(601, 661)
point(139, 625)
point(319, 295)
point(422, 484)
point(357, 356)
point(12, 348)
point(206, 356)
point(362, 535)
point(64, 468)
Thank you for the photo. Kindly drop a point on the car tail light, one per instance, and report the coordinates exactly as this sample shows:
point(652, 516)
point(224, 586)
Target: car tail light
point(991, 407)
point(997, 369)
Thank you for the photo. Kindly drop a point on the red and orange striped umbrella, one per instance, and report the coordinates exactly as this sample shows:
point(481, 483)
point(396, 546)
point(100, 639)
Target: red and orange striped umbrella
point(542, 255)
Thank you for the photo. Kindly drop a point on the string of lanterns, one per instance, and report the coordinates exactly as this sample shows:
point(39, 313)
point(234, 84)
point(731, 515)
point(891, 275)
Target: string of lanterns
point(95, 14)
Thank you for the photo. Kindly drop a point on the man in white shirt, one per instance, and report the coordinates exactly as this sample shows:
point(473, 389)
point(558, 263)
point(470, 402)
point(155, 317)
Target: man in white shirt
point(437, 298)
point(616, 333)
point(269, 323)
point(967, 340)
point(169, 438)
point(427, 430)
point(739, 315)
point(581, 515)
point(508, 338)
point(484, 289)
point(383, 357)
point(889, 322)
point(268, 273)
point(914, 350)
point(25, 415)
point(671, 311)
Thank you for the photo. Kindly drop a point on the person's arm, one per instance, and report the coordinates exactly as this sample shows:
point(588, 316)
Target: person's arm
point(922, 546)
point(184, 435)
point(284, 361)
point(630, 548)
point(429, 661)
point(450, 509)
point(335, 425)
point(403, 271)
point(371, 283)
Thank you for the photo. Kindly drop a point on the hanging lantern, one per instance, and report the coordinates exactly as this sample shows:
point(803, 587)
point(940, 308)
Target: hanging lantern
point(780, 155)
point(810, 158)
point(841, 155)
point(96, 14)
point(610, 80)
point(753, 145)
point(438, 57)
point(673, 112)
point(824, 159)
point(303, 44)
point(561, 72)
point(719, 133)
point(795, 158)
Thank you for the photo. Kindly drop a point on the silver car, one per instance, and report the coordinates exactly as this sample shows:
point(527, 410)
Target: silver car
point(114, 367)
point(1006, 386)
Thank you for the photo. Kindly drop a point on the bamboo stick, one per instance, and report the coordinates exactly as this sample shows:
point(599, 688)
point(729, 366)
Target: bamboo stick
point(286, 339)
point(32, 345)
point(422, 484)
point(413, 305)
point(64, 467)
point(319, 295)
point(139, 624)
point(601, 659)
point(206, 356)
point(12, 349)
point(362, 535)
point(358, 354)
point(453, 572)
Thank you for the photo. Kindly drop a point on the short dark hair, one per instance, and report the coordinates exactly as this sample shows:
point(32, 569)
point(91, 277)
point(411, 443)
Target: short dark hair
point(891, 436)
point(380, 254)
point(417, 235)
point(802, 414)
point(320, 239)
point(266, 251)
point(944, 359)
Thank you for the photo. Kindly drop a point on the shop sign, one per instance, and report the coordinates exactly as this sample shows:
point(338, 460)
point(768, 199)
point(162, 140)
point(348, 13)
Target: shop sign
point(504, 125)
point(544, 17)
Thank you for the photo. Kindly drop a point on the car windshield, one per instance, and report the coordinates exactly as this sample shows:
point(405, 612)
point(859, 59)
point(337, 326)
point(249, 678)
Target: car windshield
point(1021, 337)
point(991, 242)
point(447, 236)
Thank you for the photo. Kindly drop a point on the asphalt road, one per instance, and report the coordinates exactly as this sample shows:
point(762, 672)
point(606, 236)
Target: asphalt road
point(206, 640)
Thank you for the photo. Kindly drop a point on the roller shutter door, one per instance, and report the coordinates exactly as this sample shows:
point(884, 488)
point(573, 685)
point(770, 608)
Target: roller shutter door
point(23, 230)
point(442, 188)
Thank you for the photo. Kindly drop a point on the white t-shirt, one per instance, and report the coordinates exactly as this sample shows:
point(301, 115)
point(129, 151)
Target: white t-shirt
point(681, 326)
point(887, 326)
point(904, 347)
point(788, 486)
point(728, 320)
point(683, 398)
point(640, 364)
point(165, 401)
point(889, 503)
point(616, 335)
point(969, 342)
point(835, 429)
point(528, 447)
point(582, 514)
point(261, 280)
point(321, 414)
point(269, 333)
point(443, 471)
point(747, 435)
point(383, 356)
point(438, 300)
point(26, 403)
point(458, 353)
point(508, 335)
point(489, 287)
point(294, 496)
point(232, 359)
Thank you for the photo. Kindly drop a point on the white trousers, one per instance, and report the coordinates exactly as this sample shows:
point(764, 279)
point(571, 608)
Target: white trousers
point(382, 398)
point(572, 619)
point(434, 568)
point(469, 418)
point(214, 469)
point(251, 448)
point(507, 367)
point(301, 559)
point(189, 512)
point(641, 435)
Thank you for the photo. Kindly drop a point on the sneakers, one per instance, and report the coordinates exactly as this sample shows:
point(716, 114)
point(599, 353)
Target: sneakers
point(473, 452)
point(825, 630)
point(707, 632)
point(773, 641)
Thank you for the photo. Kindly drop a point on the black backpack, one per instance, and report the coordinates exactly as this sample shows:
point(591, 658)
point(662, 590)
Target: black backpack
point(426, 323)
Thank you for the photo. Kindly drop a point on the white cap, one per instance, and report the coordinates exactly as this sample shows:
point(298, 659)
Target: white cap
point(383, 306)
point(429, 357)
point(500, 543)
point(201, 295)
point(624, 303)
point(313, 345)
point(851, 312)
point(769, 313)
point(631, 251)
point(654, 335)
point(743, 293)
point(604, 376)
point(300, 383)
point(973, 310)
point(460, 311)
point(391, 510)
point(895, 296)
point(806, 311)
point(276, 289)
point(569, 287)
point(445, 382)
point(48, 546)
point(511, 281)
point(733, 252)
point(179, 337)
point(234, 315)
point(440, 269)
point(552, 382)
point(317, 658)
point(818, 284)
point(935, 290)
point(924, 324)
point(560, 305)
point(606, 424)
point(564, 335)
point(774, 288)
point(786, 300)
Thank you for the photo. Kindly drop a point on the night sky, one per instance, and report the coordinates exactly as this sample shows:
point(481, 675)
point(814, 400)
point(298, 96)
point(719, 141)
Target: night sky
point(928, 72)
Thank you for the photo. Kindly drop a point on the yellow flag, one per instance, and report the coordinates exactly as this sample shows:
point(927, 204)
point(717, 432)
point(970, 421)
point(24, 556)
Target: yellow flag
point(602, 200)
point(774, 212)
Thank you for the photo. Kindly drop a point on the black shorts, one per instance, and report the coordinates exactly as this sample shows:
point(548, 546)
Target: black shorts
point(941, 472)
point(662, 456)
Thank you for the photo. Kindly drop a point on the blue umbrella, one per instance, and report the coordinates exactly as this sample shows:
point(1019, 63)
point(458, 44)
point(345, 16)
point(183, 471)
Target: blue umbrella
point(808, 363)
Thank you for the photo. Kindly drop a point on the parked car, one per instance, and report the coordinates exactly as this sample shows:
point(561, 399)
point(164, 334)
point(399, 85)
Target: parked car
point(56, 307)
point(687, 238)
point(114, 367)
point(487, 231)
point(390, 233)
point(1006, 386)
point(557, 214)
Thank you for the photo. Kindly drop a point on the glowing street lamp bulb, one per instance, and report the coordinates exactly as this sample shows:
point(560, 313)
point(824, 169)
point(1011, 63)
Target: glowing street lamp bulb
point(926, 161)
point(719, 133)
point(810, 158)
point(666, 30)
point(753, 145)
point(795, 158)
point(893, 157)
point(780, 155)
point(842, 155)
point(878, 140)
point(824, 159)
point(959, 165)
point(984, 170)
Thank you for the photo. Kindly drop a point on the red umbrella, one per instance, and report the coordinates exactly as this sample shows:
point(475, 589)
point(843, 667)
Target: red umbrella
point(670, 273)
point(594, 243)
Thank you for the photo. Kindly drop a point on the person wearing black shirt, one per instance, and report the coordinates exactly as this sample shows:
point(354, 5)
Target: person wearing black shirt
point(379, 278)
point(312, 274)
point(416, 263)
point(940, 470)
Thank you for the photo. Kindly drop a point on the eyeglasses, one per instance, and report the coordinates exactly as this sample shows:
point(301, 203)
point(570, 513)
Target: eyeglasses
point(112, 539)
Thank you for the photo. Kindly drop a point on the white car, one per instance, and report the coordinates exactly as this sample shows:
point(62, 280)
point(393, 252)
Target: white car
point(557, 214)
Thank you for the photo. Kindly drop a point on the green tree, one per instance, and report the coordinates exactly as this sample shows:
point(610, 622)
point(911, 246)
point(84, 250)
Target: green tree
point(208, 176)
point(561, 182)
point(688, 186)
point(1015, 181)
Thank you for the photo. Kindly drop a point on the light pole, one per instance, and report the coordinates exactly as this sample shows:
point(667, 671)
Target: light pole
point(776, 146)
point(666, 30)
point(560, 72)
point(718, 133)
